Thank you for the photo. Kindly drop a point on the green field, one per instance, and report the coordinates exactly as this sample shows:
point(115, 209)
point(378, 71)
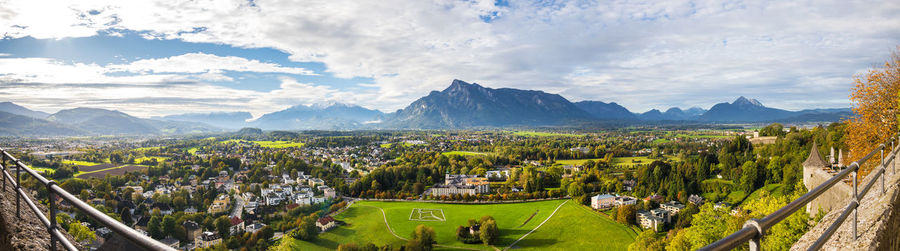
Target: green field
point(574, 162)
point(48, 171)
point(772, 189)
point(158, 159)
point(576, 227)
point(366, 224)
point(80, 163)
point(463, 153)
point(193, 150)
point(627, 162)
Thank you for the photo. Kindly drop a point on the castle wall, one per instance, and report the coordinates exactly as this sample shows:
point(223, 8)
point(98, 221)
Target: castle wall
point(835, 198)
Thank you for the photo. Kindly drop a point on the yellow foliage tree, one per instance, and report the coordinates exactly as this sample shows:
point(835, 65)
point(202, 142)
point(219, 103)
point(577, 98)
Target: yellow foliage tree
point(875, 106)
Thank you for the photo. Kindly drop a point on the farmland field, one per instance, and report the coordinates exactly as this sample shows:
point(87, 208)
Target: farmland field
point(86, 169)
point(114, 171)
point(80, 163)
point(366, 224)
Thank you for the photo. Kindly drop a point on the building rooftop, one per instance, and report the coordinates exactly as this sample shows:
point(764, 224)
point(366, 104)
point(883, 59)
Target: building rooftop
point(814, 159)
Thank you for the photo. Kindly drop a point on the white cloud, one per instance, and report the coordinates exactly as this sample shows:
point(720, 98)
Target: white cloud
point(204, 63)
point(640, 54)
point(186, 67)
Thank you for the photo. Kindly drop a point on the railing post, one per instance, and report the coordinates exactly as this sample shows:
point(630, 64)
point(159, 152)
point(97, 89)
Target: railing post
point(884, 173)
point(855, 198)
point(18, 188)
point(755, 242)
point(4, 170)
point(52, 218)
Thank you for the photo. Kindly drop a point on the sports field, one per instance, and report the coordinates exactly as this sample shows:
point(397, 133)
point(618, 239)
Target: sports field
point(566, 230)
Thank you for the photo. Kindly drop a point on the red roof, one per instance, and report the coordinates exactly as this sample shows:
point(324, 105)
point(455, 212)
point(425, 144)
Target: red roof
point(292, 206)
point(325, 220)
point(235, 220)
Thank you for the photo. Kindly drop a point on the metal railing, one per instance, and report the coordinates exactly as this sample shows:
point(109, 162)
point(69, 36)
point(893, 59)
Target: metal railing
point(55, 191)
point(755, 229)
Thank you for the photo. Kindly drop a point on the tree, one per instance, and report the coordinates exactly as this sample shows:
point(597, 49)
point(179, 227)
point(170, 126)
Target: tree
point(774, 129)
point(81, 233)
point(154, 227)
point(126, 216)
point(423, 239)
point(489, 232)
point(306, 228)
point(576, 189)
point(625, 214)
point(875, 109)
point(168, 225)
point(223, 226)
point(647, 241)
point(749, 173)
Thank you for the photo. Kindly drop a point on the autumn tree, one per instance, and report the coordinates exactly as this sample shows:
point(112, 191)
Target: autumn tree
point(423, 239)
point(875, 108)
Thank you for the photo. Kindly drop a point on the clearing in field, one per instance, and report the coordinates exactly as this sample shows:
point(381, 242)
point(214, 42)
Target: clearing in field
point(427, 214)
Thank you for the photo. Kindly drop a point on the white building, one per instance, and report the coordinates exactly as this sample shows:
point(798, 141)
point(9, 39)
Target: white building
point(603, 201)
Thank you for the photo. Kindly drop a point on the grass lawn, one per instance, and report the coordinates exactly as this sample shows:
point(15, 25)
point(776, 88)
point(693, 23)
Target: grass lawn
point(628, 162)
point(463, 153)
point(544, 134)
point(772, 189)
point(365, 224)
point(703, 136)
point(574, 162)
point(735, 197)
point(45, 170)
point(366, 214)
point(193, 150)
point(572, 228)
point(660, 141)
point(576, 227)
point(80, 163)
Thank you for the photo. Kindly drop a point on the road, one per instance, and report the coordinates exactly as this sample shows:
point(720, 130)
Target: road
point(238, 209)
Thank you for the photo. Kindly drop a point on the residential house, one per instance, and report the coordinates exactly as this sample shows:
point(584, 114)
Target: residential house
point(325, 223)
point(207, 239)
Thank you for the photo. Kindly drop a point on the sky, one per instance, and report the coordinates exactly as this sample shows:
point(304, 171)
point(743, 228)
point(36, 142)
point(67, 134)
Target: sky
point(150, 58)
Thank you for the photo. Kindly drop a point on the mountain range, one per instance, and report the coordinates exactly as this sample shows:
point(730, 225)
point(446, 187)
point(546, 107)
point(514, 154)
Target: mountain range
point(459, 106)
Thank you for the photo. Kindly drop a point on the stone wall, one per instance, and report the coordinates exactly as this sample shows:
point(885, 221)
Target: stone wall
point(878, 222)
point(835, 198)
